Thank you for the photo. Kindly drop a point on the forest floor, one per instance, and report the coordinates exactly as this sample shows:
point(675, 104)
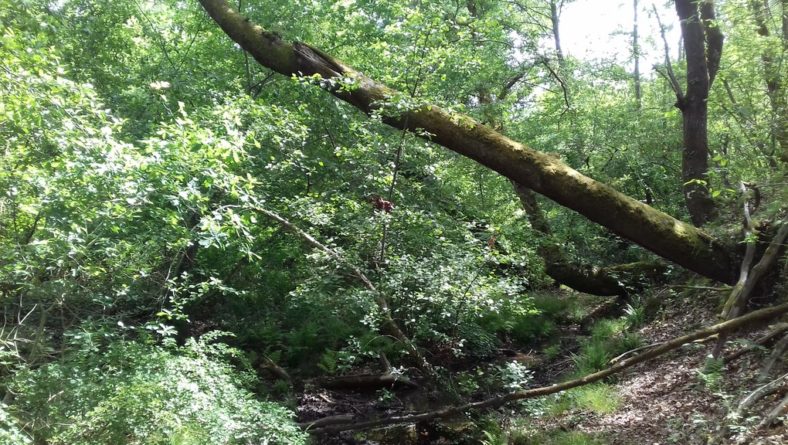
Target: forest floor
point(668, 400)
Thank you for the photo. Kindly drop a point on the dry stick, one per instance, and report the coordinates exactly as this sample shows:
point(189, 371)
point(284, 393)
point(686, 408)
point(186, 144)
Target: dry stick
point(771, 335)
point(755, 396)
point(778, 410)
point(734, 303)
point(761, 392)
point(777, 355)
point(727, 326)
point(740, 294)
point(388, 321)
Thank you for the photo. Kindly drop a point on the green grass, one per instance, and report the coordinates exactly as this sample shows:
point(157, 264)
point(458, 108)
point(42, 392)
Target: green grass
point(555, 438)
point(608, 339)
point(599, 398)
point(593, 357)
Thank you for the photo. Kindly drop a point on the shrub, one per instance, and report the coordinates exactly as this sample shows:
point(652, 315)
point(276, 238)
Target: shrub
point(134, 393)
point(10, 433)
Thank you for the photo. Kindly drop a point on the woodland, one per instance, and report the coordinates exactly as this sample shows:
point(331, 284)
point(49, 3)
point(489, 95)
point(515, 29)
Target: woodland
point(392, 222)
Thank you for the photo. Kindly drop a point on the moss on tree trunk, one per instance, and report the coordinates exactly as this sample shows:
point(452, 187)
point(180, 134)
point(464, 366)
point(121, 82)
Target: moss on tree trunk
point(662, 234)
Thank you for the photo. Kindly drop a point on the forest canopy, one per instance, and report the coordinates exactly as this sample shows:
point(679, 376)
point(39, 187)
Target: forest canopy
point(288, 222)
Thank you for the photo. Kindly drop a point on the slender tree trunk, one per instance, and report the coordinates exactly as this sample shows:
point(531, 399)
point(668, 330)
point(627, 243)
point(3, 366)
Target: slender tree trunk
point(774, 72)
point(543, 173)
point(555, 21)
point(703, 49)
point(636, 56)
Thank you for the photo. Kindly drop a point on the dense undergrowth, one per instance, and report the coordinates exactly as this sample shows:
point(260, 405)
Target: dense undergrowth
point(147, 296)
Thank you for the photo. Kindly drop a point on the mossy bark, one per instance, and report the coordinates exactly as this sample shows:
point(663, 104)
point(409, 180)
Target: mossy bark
point(604, 281)
point(543, 173)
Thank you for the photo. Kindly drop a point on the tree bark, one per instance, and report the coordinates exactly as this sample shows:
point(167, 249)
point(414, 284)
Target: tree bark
point(543, 173)
point(555, 22)
point(616, 280)
point(636, 56)
point(703, 49)
point(773, 69)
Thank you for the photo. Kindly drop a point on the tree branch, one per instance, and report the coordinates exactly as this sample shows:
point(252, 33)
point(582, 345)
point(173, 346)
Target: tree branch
point(669, 74)
point(727, 326)
point(625, 216)
point(389, 324)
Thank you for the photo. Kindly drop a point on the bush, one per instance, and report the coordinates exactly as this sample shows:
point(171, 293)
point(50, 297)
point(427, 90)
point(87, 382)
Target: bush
point(134, 393)
point(10, 433)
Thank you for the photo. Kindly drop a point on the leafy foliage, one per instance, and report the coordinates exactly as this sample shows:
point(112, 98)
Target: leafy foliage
point(138, 147)
point(115, 391)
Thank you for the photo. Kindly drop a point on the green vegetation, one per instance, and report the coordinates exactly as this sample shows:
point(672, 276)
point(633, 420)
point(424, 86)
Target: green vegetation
point(193, 248)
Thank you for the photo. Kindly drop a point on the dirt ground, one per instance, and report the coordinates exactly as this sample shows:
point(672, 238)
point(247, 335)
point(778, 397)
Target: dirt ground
point(663, 401)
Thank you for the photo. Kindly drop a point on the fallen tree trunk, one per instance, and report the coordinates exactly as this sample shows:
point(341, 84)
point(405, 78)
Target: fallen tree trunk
point(617, 280)
point(728, 326)
point(662, 234)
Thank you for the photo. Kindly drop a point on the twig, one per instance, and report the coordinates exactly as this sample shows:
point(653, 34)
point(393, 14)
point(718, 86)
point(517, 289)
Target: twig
point(727, 326)
point(388, 321)
point(560, 82)
point(670, 75)
point(782, 327)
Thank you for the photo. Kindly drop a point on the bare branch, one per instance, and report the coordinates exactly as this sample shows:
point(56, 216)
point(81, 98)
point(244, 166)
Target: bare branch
point(728, 326)
point(669, 74)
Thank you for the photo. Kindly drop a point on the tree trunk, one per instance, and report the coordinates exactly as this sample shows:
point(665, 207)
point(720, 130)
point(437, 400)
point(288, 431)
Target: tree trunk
point(703, 49)
point(555, 21)
point(782, 136)
point(543, 173)
point(636, 56)
point(773, 74)
point(604, 281)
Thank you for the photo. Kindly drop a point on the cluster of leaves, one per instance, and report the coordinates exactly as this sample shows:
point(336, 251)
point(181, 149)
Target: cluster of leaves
point(138, 146)
point(111, 390)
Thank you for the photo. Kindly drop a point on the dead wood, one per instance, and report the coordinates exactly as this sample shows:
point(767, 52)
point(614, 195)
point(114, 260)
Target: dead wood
point(544, 174)
point(748, 280)
point(762, 392)
point(493, 402)
point(757, 344)
point(777, 354)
